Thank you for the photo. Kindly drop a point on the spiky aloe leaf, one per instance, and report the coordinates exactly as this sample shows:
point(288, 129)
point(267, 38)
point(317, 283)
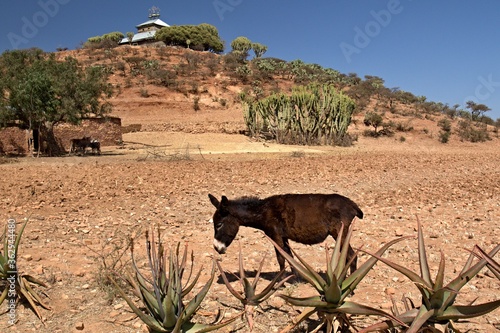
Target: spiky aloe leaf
point(407, 318)
point(333, 294)
point(438, 284)
point(271, 287)
point(151, 322)
point(351, 282)
point(335, 258)
point(466, 275)
point(313, 301)
point(457, 312)
point(355, 308)
point(194, 304)
point(493, 265)
point(422, 317)
point(306, 273)
point(306, 313)
point(249, 289)
point(24, 284)
point(202, 328)
point(415, 278)
point(236, 294)
point(422, 256)
point(312, 272)
point(3, 295)
point(25, 292)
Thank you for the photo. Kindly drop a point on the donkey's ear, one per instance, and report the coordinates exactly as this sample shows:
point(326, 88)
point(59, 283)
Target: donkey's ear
point(214, 200)
point(224, 201)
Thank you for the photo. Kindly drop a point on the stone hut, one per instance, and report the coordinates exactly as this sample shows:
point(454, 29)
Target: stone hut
point(15, 140)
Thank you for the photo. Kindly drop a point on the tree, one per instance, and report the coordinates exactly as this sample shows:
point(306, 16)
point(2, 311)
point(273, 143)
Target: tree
point(373, 119)
point(241, 46)
point(38, 92)
point(477, 110)
point(259, 49)
point(204, 37)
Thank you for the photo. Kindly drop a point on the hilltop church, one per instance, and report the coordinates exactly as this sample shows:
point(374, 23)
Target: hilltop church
point(146, 31)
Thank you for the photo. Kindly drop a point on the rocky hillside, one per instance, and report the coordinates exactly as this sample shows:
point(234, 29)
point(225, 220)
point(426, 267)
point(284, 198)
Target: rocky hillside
point(159, 88)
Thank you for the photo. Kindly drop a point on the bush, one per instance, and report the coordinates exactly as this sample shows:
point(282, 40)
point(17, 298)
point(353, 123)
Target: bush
point(473, 132)
point(444, 136)
point(373, 119)
point(445, 133)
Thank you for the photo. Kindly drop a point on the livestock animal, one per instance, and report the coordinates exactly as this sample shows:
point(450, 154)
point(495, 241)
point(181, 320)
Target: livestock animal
point(80, 145)
point(303, 218)
point(95, 146)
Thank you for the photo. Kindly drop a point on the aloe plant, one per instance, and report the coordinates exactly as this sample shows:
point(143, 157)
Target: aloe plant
point(9, 272)
point(163, 295)
point(249, 297)
point(492, 264)
point(331, 304)
point(437, 299)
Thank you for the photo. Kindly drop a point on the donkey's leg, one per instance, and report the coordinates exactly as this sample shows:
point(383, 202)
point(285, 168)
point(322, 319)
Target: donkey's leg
point(352, 254)
point(350, 251)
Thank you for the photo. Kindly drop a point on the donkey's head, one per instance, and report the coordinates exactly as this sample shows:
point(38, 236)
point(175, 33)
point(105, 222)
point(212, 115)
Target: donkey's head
point(226, 225)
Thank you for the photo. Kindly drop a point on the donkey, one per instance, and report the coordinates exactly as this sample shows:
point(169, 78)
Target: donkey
point(79, 145)
point(303, 218)
point(95, 146)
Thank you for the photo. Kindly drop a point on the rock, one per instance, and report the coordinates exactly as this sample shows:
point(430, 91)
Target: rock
point(79, 326)
point(38, 270)
point(390, 291)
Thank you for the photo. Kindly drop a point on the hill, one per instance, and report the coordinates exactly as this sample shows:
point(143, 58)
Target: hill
point(182, 90)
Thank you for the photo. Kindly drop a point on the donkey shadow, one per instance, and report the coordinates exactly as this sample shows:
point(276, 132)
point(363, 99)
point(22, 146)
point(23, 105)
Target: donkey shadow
point(268, 276)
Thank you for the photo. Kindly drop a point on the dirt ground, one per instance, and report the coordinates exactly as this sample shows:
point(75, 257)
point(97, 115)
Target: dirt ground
point(82, 210)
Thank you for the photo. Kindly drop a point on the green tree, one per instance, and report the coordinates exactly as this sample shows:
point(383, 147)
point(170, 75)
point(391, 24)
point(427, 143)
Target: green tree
point(259, 49)
point(203, 37)
point(477, 110)
point(38, 92)
point(373, 119)
point(241, 46)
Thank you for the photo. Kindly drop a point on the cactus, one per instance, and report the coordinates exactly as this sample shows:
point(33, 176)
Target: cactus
point(311, 115)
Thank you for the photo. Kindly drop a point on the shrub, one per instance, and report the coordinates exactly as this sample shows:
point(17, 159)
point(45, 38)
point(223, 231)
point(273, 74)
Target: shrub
point(444, 137)
point(472, 132)
point(445, 133)
point(196, 103)
point(373, 119)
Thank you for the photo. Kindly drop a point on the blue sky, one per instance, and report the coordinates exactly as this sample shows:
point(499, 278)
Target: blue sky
point(448, 51)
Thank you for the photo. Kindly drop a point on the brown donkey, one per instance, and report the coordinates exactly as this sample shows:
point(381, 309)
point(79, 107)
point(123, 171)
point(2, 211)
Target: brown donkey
point(303, 218)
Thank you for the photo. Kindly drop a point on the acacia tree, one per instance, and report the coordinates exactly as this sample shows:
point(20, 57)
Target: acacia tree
point(477, 110)
point(38, 92)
